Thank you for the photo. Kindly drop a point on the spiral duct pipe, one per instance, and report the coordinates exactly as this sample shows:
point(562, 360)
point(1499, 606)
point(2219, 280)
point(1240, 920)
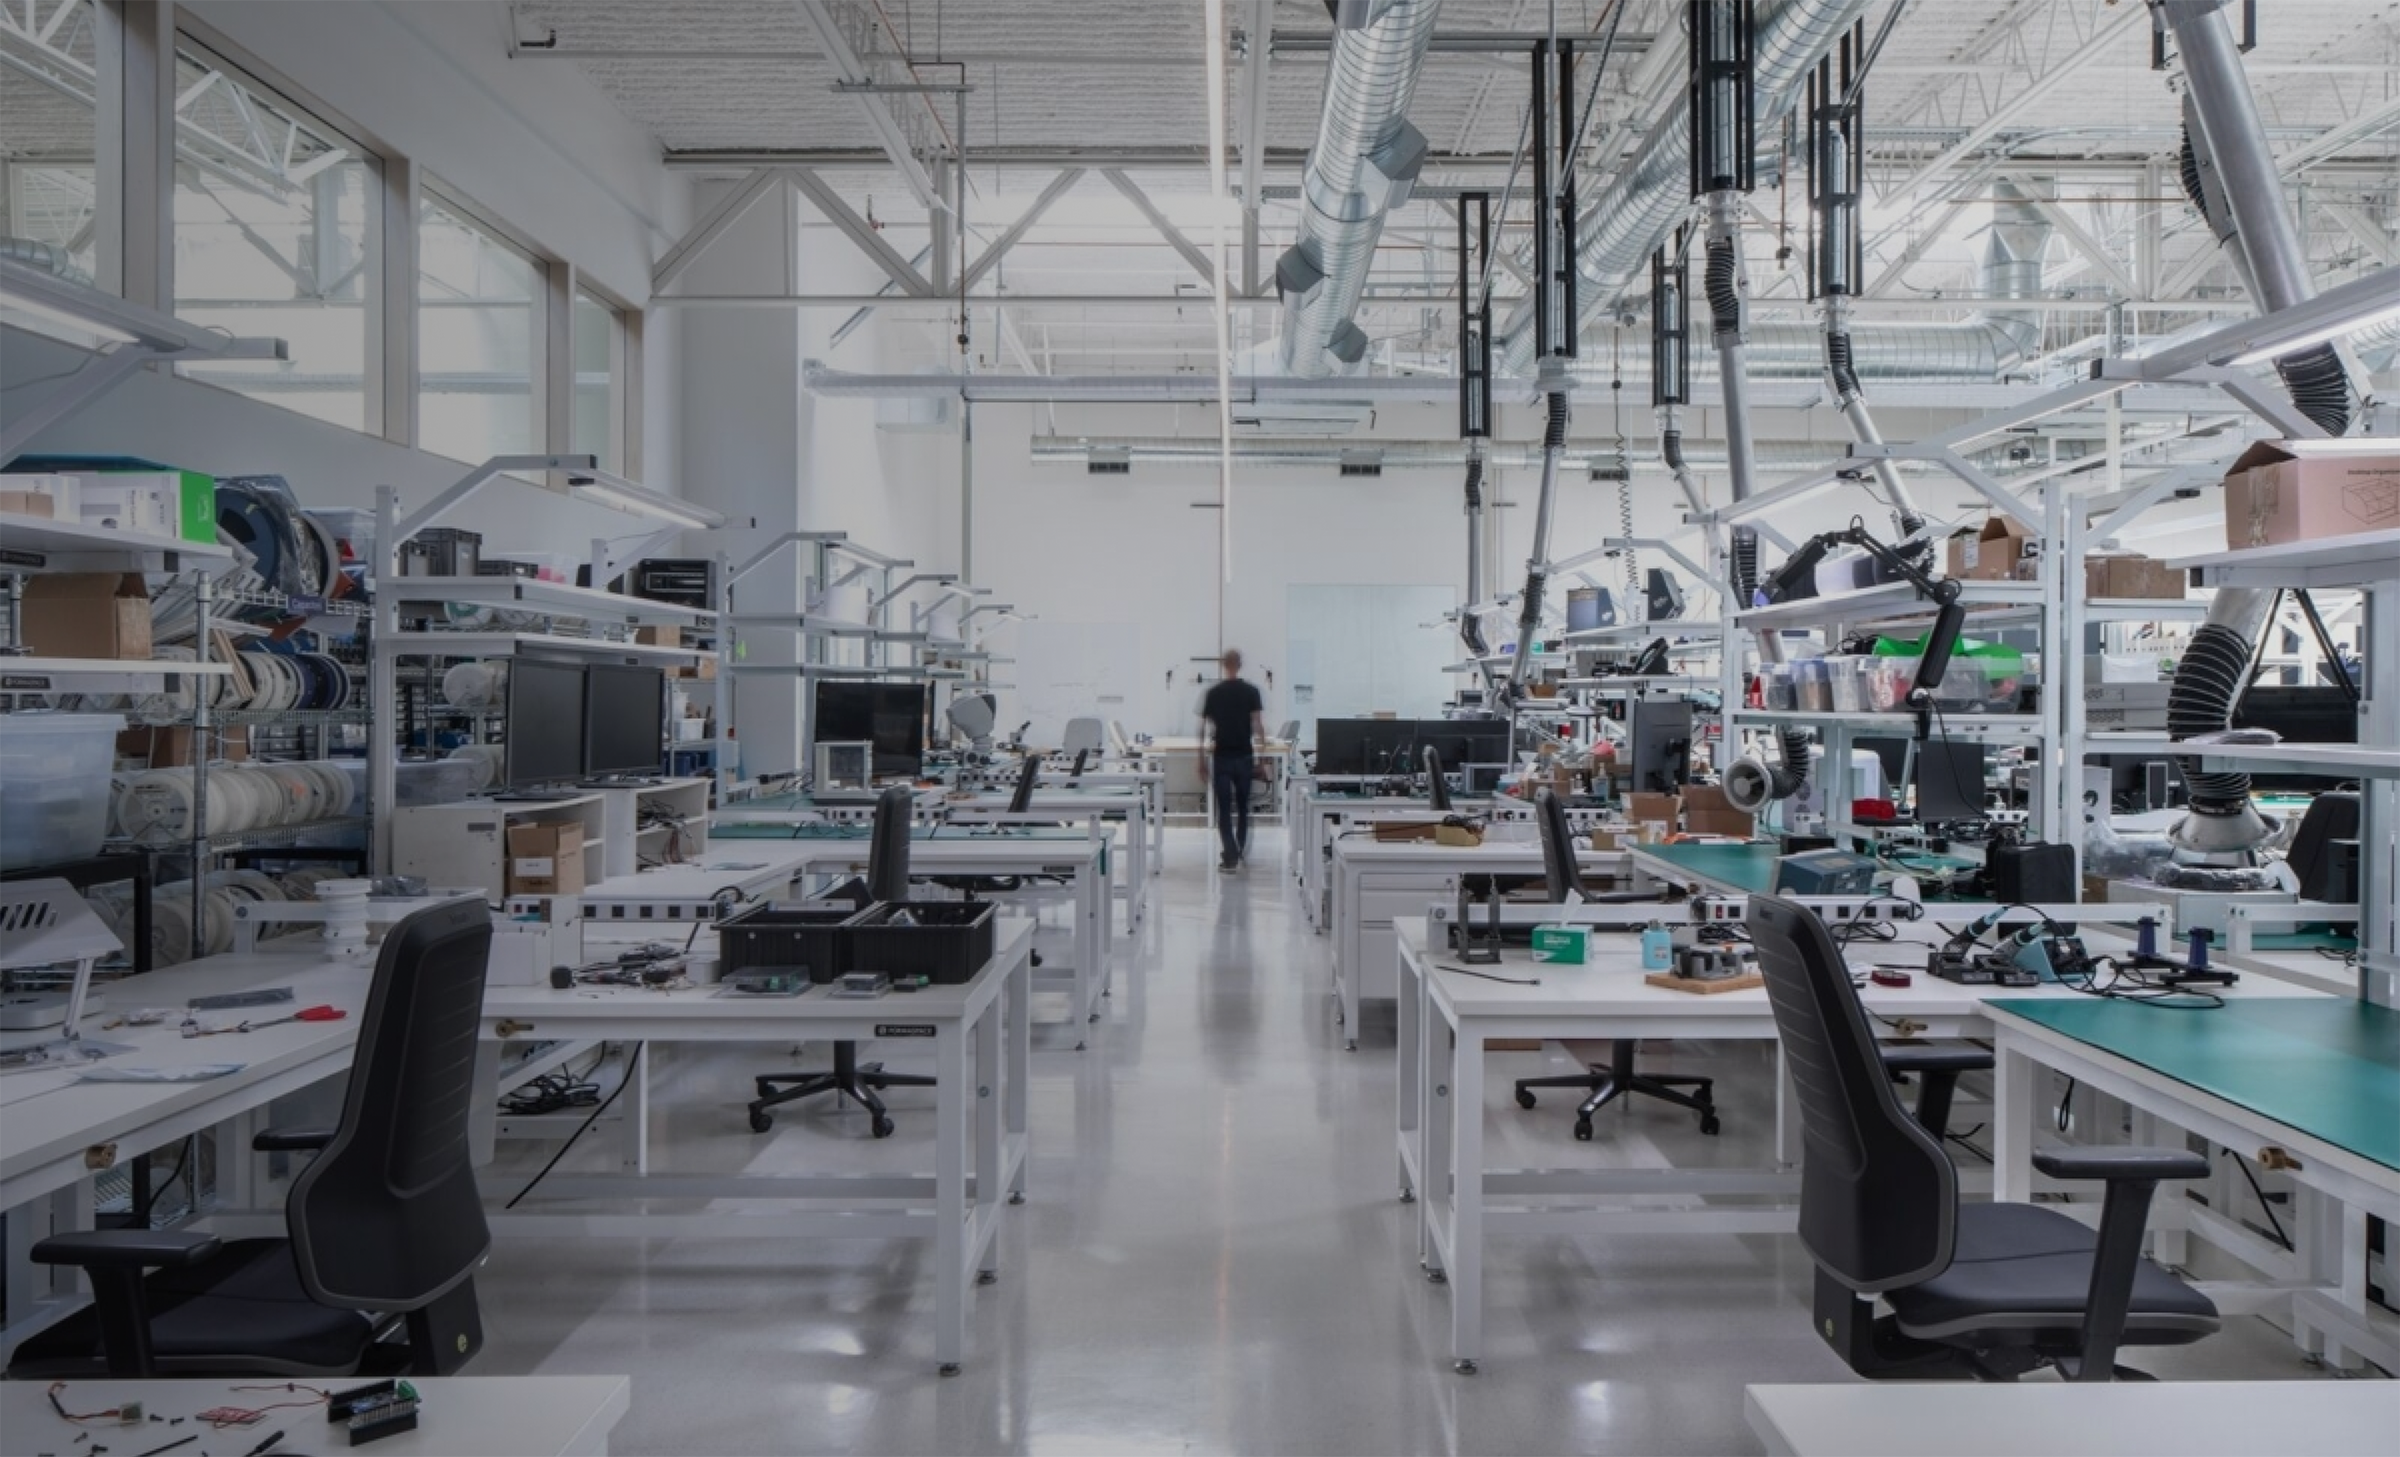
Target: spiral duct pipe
point(1366, 158)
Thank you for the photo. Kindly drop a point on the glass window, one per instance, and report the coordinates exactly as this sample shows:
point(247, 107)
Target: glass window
point(49, 135)
point(479, 337)
point(599, 414)
point(274, 235)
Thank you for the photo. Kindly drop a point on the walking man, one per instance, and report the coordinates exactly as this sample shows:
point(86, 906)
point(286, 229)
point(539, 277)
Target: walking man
point(1232, 723)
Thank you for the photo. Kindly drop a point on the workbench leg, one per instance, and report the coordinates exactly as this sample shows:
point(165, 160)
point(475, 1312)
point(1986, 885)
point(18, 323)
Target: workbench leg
point(483, 1107)
point(636, 1156)
point(1017, 1084)
point(1466, 1202)
point(2170, 1211)
point(1412, 1063)
point(952, 1094)
point(1435, 1179)
point(989, 1081)
point(2013, 1078)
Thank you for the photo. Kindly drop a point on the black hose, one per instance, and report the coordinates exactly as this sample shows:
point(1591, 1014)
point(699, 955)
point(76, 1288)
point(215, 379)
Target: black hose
point(1839, 362)
point(2208, 678)
point(1670, 448)
point(1724, 288)
point(1554, 436)
point(1744, 561)
point(2187, 165)
point(1468, 627)
point(2319, 386)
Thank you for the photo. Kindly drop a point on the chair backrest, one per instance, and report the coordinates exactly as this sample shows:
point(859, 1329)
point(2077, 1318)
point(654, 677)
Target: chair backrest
point(388, 1217)
point(1290, 731)
point(1437, 788)
point(1083, 733)
point(1878, 1195)
point(1565, 877)
point(2329, 818)
point(887, 849)
point(1029, 773)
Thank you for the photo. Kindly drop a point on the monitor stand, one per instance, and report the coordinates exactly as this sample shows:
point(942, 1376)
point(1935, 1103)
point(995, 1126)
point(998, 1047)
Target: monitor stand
point(534, 796)
point(623, 781)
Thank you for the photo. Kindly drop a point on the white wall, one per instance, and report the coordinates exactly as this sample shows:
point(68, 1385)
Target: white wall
point(775, 459)
point(537, 144)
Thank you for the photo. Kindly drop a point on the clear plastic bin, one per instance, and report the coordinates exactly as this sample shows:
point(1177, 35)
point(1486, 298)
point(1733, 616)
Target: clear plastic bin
point(54, 793)
point(1778, 687)
point(1814, 681)
point(1969, 685)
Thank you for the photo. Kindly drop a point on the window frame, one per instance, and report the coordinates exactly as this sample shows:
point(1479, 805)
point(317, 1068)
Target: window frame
point(544, 354)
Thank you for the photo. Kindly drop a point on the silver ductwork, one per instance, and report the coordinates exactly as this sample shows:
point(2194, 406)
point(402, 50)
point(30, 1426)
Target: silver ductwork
point(1629, 219)
point(1124, 388)
point(1366, 159)
point(1603, 456)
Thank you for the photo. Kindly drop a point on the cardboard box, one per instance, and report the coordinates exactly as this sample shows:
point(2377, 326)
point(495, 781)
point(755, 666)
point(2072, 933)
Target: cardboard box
point(170, 746)
point(88, 615)
point(703, 671)
point(659, 637)
point(27, 503)
point(65, 493)
point(2131, 576)
point(2273, 495)
point(1646, 808)
point(1991, 554)
point(1706, 811)
point(546, 859)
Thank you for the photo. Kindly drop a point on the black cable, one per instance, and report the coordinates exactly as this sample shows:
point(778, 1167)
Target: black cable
point(632, 1066)
point(141, 1216)
point(1514, 981)
point(2264, 1207)
point(2064, 1099)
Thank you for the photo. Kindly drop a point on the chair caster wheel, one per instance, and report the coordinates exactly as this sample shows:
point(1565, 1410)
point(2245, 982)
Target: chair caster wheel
point(881, 1127)
point(1463, 1368)
point(987, 1277)
point(1017, 1198)
point(1037, 958)
point(1583, 1130)
point(1524, 1097)
point(1351, 1045)
point(1437, 1277)
point(761, 1120)
point(950, 1368)
point(1408, 1196)
point(1708, 1123)
point(1079, 1047)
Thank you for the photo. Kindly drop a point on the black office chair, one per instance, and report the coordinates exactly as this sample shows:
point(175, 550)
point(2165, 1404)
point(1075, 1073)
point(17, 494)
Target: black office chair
point(2324, 875)
point(1981, 1291)
point(385, 1226)
point(886, 880)
point(1437, 788)
point(1604, 1085)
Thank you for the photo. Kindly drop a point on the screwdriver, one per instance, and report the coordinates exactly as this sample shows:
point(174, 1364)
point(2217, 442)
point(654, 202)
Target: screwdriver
point(305, 1014)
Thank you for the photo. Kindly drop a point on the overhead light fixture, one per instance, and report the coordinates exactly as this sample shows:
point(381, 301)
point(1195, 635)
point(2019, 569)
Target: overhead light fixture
point(49, 303)
point(614, 490)
point(2314, 337)
point(2345, 445)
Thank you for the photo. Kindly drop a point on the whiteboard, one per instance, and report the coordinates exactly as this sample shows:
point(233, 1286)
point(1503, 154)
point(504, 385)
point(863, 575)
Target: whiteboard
point(1357, 650)
point(1070, 670)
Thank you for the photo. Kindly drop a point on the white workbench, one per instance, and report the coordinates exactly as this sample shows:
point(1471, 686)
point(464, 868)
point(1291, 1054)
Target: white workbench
point(1378, 884)
point(458, 1416)
point(977, 1032)
point(1447, 1017)
point(2073, 1419)
point(60, 1132)
point(1095, 808)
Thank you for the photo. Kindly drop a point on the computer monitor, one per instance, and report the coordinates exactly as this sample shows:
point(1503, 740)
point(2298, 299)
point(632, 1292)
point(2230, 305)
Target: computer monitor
point(1342, 744)
point(2302, 714)
point(1659, 734)
point(544, 723)
point(891, 716)
point(624, 719)
point(1893, 753)
point(1465, 740)
point(1949, 781)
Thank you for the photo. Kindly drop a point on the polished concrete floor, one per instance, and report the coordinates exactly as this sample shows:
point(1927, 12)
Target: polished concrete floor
point(1212, 1259)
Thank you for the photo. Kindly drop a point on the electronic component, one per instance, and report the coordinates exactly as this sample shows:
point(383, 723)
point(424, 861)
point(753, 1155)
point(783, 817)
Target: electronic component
point(370, 1413)
point(227, 1001)
point(768, 981)
point(684, 581)
point(1889, 976)
point(1978, 969)
point(1825, 872)
point(862, 984)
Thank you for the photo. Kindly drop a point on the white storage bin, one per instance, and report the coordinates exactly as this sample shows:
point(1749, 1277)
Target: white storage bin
point(54, 793)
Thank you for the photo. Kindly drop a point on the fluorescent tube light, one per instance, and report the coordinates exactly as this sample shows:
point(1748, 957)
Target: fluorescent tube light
point(611, 490)
point(2315, 337)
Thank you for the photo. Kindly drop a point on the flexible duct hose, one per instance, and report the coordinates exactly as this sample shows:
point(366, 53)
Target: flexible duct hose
point(1745, 564)
point(1837, 361)
point(2209, 679)
point(1723, 287)
point(2187, 166)
point(2319, 385)
point(1468, 627)
point(1529, 618)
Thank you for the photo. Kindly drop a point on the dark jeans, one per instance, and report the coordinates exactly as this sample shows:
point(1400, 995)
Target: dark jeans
point(1229, 780)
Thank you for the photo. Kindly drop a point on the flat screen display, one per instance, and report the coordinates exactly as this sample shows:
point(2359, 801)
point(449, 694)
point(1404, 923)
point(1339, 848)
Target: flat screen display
point(544, 723)
point(624, 719)
point(891, 716)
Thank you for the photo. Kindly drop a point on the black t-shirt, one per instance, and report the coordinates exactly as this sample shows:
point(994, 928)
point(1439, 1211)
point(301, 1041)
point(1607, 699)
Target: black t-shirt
point(1228, 709)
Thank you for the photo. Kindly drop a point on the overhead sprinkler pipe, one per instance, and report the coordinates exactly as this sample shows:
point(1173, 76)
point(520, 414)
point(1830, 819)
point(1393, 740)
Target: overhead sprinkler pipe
point(1837, 134)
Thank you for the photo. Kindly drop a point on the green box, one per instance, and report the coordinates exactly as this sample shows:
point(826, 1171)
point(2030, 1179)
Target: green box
point(1561, 945)
point(198, 517)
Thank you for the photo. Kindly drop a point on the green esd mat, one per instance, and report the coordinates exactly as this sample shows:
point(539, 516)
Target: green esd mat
point(1751, 866)
point(2327, 1066)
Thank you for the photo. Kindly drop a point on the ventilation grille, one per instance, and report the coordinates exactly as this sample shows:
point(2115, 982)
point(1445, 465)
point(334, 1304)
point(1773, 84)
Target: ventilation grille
point(1108, 467)
point(25, 917)
point(1362, 467)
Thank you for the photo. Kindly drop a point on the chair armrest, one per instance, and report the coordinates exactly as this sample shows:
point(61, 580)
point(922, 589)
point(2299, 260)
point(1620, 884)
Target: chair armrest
point(291, 1140)
point(120, 1249)
point(1935, 1057)
point(2113, 1164)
